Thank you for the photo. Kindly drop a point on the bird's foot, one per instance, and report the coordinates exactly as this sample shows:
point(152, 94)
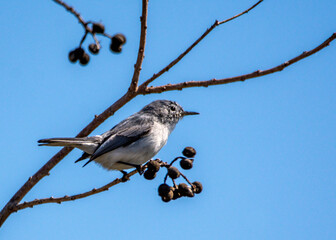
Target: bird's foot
point(124, 178)
point(140, 169)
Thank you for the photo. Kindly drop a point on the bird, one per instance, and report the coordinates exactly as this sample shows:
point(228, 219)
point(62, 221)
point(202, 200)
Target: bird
point(130, 143)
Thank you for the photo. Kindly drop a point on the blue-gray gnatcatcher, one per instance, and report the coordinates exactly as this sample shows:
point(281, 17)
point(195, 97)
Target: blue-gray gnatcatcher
point(133, 141)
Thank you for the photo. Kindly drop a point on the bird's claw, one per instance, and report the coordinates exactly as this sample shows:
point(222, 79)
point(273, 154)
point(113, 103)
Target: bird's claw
point(124, 178)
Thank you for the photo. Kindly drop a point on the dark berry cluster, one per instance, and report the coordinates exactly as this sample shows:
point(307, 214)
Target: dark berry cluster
point(176, 191)
point(79, 54)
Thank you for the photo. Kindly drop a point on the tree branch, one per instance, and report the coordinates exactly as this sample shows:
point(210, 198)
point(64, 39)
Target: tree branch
point(258, 73)
point(182, 55)
point(67, 198)
point(44, 171)
point(141, 52)
point(81, 21)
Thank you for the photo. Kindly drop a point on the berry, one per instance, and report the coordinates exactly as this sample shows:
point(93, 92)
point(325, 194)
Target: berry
point(119, 39)
point(197, 187)
point(117, 48)
point(76, 54)
point(164, 189)
point(185, 190)
point(93, 48)
point(98, 28)
point(149, 175)
point(84, 59)
point(176, 194)
point(168, 197)
point(173, 172)
point(72, 57)
point(153, 166)
point(116, 43)
point(186, 163)
point(189, 152)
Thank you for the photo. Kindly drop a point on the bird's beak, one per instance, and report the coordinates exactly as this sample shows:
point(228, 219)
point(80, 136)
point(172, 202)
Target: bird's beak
point(186, 113)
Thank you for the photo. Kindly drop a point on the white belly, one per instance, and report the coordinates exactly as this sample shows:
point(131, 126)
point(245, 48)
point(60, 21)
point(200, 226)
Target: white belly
point(138, 152)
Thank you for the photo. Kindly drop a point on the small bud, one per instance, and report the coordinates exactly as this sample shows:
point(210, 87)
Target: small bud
point(164, 189)
point(197, 187)
point(93, 48)
point(186, 163)
point(173, 172)
point(83, 60)
point(153, 166)
point(189, 152)
point(149, 175)
point(98, 28)
point(185, 190)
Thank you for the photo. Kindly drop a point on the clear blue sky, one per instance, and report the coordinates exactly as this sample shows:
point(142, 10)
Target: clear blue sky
point(266, 147)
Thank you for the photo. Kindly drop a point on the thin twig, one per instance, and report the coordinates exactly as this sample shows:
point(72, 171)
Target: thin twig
point(258, 73)
point(71, 198)
point(81, 21)
point(73, 11)
point(141, 52)
point(182, 55)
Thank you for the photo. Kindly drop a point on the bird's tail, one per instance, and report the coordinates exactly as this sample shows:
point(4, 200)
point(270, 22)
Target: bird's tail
point(68, 142)
point(87, 144)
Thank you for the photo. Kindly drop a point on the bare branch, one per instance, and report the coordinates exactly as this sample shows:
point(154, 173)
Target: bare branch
point(258, 73)
point(141, 52)
point(73, 11)
point(67, 198)
point(182, 55)
point(81, 21)
point(44, 170)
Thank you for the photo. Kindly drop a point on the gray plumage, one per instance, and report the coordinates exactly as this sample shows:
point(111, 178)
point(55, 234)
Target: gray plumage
point(133, 141)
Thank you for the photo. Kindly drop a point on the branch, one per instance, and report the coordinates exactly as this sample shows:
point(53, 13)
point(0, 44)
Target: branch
point(81, 21)
point(141, 52)
point(182, 55)
point(258, 73)
point(67, 198)
point(44, 170)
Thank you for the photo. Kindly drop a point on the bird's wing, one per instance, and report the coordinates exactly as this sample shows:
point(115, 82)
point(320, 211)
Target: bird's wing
point(123, 134)
point(116, 141)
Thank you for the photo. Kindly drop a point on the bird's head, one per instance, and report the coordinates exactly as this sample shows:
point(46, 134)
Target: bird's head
point(166, 111)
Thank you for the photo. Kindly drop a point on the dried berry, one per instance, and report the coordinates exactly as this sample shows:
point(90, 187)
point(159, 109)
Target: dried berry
point(164, 189)
point(197, 187)
point(117, 48)
point(72, 57)
point(98, 28)
point(76, 54)
point(149, 174)
point(189, 152)
point(168, 197)
point(186, 163)
point(185, 190)
point(153, 166)
point(93, 48)
point(119, 39)
point(176, 194)
point(84, 59)
point(173, 172)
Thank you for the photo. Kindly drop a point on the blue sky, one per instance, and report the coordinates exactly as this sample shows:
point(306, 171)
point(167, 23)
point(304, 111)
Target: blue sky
point(266, 147)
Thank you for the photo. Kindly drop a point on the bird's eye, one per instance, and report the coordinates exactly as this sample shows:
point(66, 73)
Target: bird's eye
point(172, 108)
